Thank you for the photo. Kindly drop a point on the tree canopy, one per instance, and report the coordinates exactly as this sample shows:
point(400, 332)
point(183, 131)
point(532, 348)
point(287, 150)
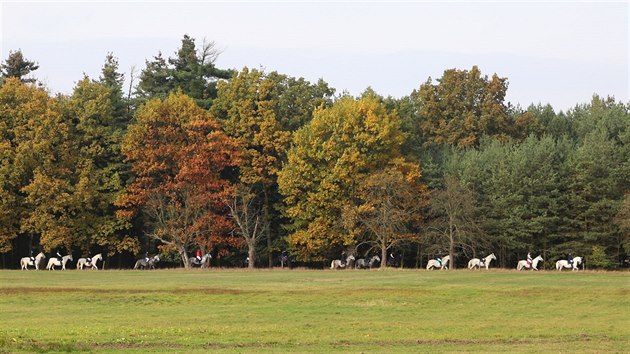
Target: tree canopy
point(246, 163)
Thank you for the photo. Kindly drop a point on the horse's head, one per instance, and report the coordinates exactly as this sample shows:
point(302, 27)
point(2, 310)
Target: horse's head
point(539, 258)
point(492, 256)
point(376, 259)
point(156, 258)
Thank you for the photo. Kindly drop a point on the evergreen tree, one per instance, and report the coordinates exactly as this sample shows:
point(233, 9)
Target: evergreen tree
point(113, 80)
point(16, 65)
point(191, 71)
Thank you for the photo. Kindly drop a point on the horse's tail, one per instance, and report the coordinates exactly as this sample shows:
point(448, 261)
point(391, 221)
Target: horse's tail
point(137, 265)
point(332, 265)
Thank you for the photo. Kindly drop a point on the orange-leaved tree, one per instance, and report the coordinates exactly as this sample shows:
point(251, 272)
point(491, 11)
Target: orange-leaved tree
point(179, 157)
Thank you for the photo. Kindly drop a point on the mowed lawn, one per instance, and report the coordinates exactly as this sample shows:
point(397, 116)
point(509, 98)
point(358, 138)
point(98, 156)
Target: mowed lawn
point(314, 311)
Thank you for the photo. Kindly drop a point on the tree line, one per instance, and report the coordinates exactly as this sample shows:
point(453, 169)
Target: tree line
point(247, 164)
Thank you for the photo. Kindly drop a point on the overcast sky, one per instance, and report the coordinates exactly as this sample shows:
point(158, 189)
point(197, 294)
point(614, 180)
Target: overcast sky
point(551, 52)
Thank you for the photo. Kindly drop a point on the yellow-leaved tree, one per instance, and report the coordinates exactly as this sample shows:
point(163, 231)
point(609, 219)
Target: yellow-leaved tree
point(327, 165)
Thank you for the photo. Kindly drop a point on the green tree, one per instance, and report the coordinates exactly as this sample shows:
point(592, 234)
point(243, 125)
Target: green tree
point(113, 80)
point(155, 80)
point(192, 71)
point(101, 172)
point(597, 186)
point(16, 65)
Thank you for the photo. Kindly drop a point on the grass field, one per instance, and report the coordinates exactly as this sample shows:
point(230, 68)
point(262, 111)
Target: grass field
point(314, 311)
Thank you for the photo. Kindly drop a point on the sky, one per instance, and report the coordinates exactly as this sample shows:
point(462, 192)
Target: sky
point(559, 53)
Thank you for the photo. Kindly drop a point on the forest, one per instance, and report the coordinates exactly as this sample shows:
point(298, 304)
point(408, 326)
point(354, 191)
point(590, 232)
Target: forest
point(247, 164)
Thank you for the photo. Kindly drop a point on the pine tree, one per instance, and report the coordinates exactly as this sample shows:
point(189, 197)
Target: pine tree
point(19, 67)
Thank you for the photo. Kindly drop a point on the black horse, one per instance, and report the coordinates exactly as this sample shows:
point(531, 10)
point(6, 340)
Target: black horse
point(143, 264)
point(284, 260)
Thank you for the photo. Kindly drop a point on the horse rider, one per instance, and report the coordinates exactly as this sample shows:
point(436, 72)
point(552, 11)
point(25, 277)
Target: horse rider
point(199, 255)
point(343, 258)
point(439, 260)
point(146, 257)
point(529, 260)
point(481, 259)
point(570, 258)
point(32, 257)
point(59, 255)
point(88, 259)
point(392, 259)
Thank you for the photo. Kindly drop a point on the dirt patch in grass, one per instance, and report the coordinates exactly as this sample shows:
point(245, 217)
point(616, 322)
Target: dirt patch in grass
point(34, 290)
point(343, 344)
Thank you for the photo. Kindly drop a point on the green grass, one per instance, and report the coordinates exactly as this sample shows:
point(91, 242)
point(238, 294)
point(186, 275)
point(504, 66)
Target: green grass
point(314, 311)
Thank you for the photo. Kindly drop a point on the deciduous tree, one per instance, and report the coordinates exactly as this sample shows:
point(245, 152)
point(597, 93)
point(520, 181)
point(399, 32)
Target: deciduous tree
point(330, 158)
point(462, 107)
point(262, 111)
point(387, 206)
point(179, 155)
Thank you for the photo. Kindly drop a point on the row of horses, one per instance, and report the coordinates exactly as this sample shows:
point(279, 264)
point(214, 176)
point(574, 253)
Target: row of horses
point(521, 265)
point(92, 263)
point(352, 262)
point(475, 263)
point(82, 263)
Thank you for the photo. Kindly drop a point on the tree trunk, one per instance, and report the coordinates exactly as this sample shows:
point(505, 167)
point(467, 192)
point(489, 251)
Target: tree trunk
point(267, 223)
point(184, 255)
point(451, 246)
point(251, 253)
point(383, 256)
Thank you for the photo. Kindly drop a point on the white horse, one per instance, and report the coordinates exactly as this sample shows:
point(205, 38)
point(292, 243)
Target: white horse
point(367, 263)
point(25, 262)
point(83, 262)
point(143, 264)
point(205, 259)
point(563, 263)
point(434, 263)
point(476, 262)
point(524, 265)
point(337, 264)
point(55, 262)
